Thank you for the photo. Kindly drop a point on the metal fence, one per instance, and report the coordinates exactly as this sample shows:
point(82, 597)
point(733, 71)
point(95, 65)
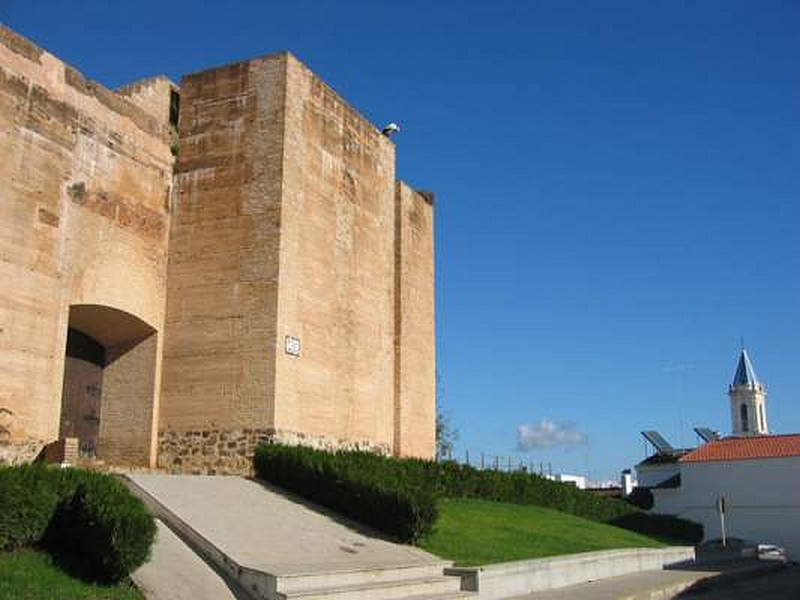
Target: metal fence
point(496, 462)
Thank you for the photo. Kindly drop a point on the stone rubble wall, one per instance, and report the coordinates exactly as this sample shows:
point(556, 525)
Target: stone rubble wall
point(19, 452)
point(230, 452)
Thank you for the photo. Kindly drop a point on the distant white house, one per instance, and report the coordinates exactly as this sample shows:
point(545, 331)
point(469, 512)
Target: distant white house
point(627, 482)
point(579, 481)
point(757, 475)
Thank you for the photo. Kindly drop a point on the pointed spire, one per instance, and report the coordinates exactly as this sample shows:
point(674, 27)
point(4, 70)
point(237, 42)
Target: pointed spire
point(745, 375)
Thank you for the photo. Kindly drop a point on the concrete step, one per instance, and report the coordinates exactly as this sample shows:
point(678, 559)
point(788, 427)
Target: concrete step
point(448, 596)
point(309, 581)
point(391, 590)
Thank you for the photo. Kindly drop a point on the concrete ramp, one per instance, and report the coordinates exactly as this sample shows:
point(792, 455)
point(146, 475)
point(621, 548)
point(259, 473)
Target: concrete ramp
point(175, 572)
point(279, 547)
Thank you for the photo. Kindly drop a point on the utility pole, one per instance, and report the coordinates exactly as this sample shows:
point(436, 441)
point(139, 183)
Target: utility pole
point(721, 511)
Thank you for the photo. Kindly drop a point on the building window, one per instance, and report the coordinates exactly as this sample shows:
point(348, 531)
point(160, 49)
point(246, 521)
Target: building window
point(761, 417)
point(745, 423)
point(174, 107)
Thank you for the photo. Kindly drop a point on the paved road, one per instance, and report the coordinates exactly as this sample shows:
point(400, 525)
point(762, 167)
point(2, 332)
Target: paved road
point(780, 585)
point(647, 584)
point(675, 583)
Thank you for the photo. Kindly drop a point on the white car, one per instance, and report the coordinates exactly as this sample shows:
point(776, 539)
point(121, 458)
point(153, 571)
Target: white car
point(771, 552)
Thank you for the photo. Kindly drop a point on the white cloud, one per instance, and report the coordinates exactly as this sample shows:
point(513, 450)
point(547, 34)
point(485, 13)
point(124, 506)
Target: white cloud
point(548, 434)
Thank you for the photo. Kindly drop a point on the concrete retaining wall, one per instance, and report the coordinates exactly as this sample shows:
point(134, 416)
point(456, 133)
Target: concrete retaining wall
point(527, 576)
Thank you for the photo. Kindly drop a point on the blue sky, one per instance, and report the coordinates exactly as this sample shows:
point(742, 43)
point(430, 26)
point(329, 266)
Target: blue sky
point(618, 190)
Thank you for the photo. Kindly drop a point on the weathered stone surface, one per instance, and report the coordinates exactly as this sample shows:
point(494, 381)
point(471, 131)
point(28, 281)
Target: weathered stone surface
point(20, 452)
point(336, 290)
point(415, 359)
point(231, 452)
point(16, 43)
point(271, 283)
point(84, 174)
point(222, 281)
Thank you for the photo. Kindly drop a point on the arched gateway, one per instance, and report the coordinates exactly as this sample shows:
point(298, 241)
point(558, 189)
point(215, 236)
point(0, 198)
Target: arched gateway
point(108, 393)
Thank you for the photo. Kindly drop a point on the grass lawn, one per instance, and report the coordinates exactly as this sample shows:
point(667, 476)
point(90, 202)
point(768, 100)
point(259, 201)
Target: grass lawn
point(478, 532)
point(31, 575)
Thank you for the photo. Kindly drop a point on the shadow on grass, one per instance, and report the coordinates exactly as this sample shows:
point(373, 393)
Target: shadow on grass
point(77, 566)
point(60, 543)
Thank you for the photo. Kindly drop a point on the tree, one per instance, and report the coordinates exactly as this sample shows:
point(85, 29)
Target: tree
point(446, 434)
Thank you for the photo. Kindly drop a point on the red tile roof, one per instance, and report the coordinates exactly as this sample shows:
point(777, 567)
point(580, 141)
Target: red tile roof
point(746, 448)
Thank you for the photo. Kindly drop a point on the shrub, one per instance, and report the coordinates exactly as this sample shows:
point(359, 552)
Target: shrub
point(28, 499)
point(109, 524)
point(641, 497)
point(664, 526)
point(455, 480)
point(398, 496)
point(348, 483)
point(75, 514)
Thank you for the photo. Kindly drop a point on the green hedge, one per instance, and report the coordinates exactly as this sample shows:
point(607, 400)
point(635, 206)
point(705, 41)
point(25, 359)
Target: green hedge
point(398, 496)
point(347, 483)
point(76, 514)
point(455, 480)
point(28, 500)
point(641, 497)
point(662, 526)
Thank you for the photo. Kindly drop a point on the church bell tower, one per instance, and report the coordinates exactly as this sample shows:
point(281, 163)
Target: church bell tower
point(748, 400)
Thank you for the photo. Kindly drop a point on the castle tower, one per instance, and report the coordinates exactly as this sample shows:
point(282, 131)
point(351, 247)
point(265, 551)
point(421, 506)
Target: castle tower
point(748, 400)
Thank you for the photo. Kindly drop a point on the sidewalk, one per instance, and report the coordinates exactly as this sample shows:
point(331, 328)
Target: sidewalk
point(176, 573)
point(657, 585)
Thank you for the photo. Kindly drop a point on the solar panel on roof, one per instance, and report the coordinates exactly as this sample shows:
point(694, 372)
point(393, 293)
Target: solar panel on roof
point(706, 434)
point(661, 445)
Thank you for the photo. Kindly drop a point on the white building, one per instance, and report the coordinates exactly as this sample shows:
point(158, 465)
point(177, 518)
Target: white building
point(579, 481)
point(757, 474)
point(759, 479)
point(627, 482)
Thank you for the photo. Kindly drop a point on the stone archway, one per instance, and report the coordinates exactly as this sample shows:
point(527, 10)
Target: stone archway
point(109, 384)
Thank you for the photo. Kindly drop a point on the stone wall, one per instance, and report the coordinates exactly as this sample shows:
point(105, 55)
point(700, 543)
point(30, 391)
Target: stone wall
point(19, 452)
point(336, 291)
point(222, 282)
point(154, 95)
point(126, 417)
point(298, 294)
point(415, 343)
point(283, 230)
point(226, 452)
point(85, 176)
